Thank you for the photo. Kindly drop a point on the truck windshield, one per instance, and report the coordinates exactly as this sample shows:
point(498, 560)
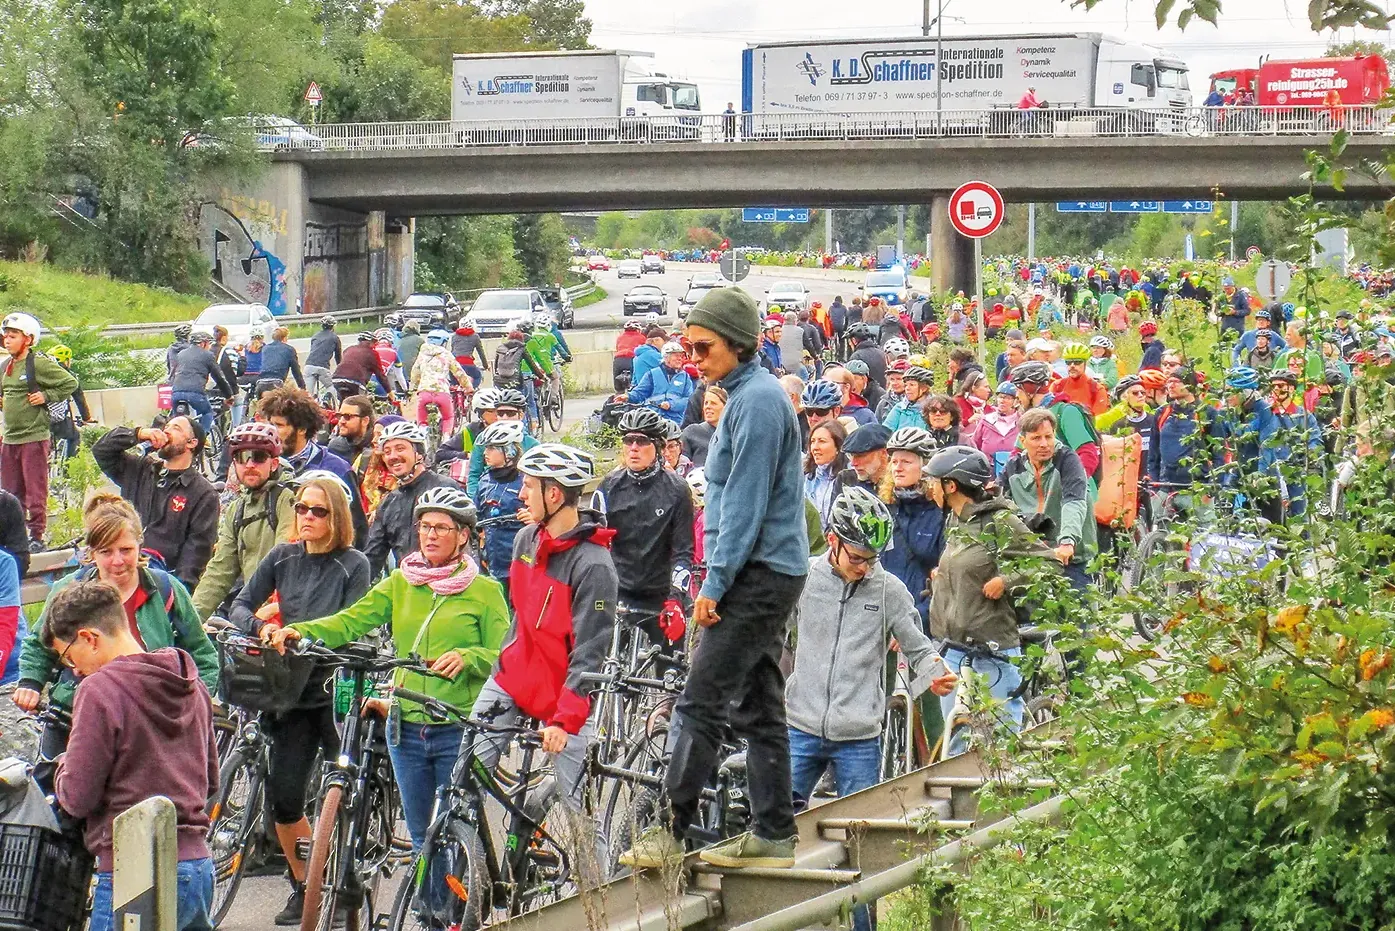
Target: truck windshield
point(1224, 85)
point(685, 96)
point(1170, 77)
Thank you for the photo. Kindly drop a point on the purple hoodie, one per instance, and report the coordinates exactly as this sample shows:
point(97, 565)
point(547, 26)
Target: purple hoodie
point(142, 726)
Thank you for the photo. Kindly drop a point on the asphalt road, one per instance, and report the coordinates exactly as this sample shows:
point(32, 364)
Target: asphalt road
point(823, 285)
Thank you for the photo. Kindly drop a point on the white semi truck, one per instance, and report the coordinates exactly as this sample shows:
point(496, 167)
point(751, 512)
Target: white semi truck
point(867, 78)
point(598, 89)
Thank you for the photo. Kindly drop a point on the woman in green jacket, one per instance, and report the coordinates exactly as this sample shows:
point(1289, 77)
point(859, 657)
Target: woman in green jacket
point(439, 607)
point(156, 602)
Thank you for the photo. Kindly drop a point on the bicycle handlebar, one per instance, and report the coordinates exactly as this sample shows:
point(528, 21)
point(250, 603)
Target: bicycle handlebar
point(437, 707)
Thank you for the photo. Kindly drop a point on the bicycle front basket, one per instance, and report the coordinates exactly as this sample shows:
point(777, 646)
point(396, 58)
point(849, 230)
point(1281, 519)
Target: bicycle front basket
point(259, 678)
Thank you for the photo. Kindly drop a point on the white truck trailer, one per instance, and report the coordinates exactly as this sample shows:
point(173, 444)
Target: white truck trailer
point(1068, 72)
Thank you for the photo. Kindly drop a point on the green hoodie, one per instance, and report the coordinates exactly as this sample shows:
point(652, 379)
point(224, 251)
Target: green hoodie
point(25, 422)
point(245, 536)
point(473, 623)
point(179, 627)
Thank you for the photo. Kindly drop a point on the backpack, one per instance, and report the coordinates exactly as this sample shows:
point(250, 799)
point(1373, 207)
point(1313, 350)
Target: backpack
point(1085, 416)
point(508, 365)
point(273, 496)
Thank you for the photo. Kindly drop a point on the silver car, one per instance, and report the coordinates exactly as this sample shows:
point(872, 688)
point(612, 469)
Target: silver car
point(494, 310)
point(630, 268)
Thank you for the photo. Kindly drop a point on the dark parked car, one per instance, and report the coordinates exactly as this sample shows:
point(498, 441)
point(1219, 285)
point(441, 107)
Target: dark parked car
point(431, 310)
point(646, 299)
point(561, 306)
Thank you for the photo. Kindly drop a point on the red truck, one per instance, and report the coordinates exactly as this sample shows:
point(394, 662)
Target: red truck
point(1362, 79)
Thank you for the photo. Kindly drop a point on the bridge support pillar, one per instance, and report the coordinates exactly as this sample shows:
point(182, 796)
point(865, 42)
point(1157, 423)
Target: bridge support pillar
point(951, 255)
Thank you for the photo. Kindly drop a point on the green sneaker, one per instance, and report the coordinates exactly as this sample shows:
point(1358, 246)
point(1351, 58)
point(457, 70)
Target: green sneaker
point(655, 849)
point(749, 850)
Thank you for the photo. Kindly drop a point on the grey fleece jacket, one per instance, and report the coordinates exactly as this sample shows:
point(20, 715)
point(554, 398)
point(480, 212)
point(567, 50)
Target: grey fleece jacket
point(837, 689)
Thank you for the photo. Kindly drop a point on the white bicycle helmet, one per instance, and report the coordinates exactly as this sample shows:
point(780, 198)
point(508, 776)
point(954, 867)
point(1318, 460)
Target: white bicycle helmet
point(1101, 342)
point(25, 323)
point(485, 399)
point(671, 346)
point(565, 465)
point(304, 478)
point(542, 320)
point(897, 348)
point(651, 319)
point(502, 433)
point(697, 481)
point(450, 500)
point(406, 430)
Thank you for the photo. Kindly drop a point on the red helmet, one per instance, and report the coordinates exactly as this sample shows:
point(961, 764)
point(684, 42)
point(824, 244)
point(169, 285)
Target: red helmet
point(1152, 379)
point(1147, 328)
point(254, 434)
point(930, 331)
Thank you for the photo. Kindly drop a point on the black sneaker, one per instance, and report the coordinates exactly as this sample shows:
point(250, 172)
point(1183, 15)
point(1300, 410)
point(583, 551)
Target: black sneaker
point(295, 905)
point(36, 546)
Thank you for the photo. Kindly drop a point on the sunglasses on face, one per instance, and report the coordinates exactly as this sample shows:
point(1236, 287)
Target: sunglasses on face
point(701, 347)
point(255, 456)
point(637, 439)
point(818, 411)
point(302, 509)
point(938, 412)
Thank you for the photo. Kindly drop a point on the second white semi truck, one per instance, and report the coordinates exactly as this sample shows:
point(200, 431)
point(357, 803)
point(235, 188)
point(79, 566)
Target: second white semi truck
point(1070, 71)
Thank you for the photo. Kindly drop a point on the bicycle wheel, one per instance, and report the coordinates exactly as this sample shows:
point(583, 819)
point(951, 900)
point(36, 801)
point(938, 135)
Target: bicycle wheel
point(554, 409)
point(234, 817)
point(1153, 561)
point(894, 732)
point(642, 813)
point(330, 861)
point(458, 897)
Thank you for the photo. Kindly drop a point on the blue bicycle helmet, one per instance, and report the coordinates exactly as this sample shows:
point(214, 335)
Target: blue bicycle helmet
point(1242, 378)
point(439, 337)
point(822, 395)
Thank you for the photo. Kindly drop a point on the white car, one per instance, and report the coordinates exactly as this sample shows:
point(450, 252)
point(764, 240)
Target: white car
point(240, 320)
point(630, 268)
point(494, 310)
point(786, 295)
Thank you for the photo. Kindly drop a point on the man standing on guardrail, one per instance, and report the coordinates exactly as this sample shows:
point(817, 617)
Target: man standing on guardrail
point(757, 551)
point(29, 383)
point(142, 727)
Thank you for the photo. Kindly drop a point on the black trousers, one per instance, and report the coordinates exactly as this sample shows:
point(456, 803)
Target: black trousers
point(735, 680)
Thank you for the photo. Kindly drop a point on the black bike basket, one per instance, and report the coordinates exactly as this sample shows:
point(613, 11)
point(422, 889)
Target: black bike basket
point(260, 679)
point(44, 879)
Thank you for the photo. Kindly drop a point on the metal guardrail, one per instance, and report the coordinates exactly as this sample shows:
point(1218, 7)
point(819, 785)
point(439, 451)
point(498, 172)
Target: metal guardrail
point(1003, 122)
point(361, 313)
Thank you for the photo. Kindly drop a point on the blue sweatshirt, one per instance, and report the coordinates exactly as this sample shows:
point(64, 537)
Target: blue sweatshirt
point(755, 486)
point(472, 483)
point(646, 358)
point(1246, 344)
point(661, 384)
point(1176, 439)
point(13, 629)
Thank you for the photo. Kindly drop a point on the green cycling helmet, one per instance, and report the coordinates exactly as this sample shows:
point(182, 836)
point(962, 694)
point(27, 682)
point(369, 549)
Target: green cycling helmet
point(860, 519)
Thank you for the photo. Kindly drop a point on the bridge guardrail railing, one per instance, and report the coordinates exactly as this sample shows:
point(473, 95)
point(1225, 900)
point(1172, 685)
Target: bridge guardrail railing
point(360, 313)
point(998, 122)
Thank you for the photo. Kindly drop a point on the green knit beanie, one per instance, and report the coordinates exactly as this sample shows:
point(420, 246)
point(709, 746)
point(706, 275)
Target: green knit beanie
point(730, 313)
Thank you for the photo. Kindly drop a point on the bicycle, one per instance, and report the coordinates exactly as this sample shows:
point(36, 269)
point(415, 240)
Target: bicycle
point(458, 862)
point(1040, 698)
point(353, 840)
point(549, 391)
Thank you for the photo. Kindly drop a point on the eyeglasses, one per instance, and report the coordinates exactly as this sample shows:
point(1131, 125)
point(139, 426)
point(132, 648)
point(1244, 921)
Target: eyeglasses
point(256, 456)
point(856, 560)
point(63, 657)
point(637, 439)
point(435, 530)
point(302, 509)
point(701, 347)
point(350, 415)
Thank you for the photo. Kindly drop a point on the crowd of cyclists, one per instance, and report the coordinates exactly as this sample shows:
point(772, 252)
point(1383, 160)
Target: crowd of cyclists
point(795, 498)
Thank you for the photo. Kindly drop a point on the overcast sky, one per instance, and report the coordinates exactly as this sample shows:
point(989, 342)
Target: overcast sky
point(703, 42)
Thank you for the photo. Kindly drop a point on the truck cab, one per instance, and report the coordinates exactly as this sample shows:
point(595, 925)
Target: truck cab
point(1234, 81)
point(653, 93)
point(1139, 77)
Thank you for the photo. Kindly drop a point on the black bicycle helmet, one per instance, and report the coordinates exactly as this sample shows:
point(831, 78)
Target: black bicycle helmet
point(672, 431)
point(182, 331)
point(1334, 376)
point(511, 398)
point(644, 420)
point(859, 519)
point(861, 333)
point(1124, 384)
point(963, 465)
point(1030, 373)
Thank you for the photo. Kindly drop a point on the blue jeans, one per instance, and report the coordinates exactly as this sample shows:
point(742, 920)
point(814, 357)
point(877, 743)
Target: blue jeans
point(1002, 680)
point(530, 395)
point(198, 403)
point(857, 765)
point(423, 759)
point(476, 376)
point(195, 898)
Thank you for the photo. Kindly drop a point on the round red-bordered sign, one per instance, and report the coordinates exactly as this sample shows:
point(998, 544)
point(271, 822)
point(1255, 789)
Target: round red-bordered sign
point(976, 209)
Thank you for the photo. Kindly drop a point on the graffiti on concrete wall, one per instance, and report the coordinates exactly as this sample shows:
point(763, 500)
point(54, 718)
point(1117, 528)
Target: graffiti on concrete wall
point(336, 266)
point(240, 262)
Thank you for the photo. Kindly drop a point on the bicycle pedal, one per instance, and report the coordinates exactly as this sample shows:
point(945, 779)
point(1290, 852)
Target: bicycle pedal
point(545, 858)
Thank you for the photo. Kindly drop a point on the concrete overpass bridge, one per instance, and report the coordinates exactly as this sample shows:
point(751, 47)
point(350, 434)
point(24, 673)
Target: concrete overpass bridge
point(401, 170)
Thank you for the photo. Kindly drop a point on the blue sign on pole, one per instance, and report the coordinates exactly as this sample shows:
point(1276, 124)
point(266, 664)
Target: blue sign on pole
point(1133, 206)
point(774, 214)
point(1081, 206)
point(1188, 206)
